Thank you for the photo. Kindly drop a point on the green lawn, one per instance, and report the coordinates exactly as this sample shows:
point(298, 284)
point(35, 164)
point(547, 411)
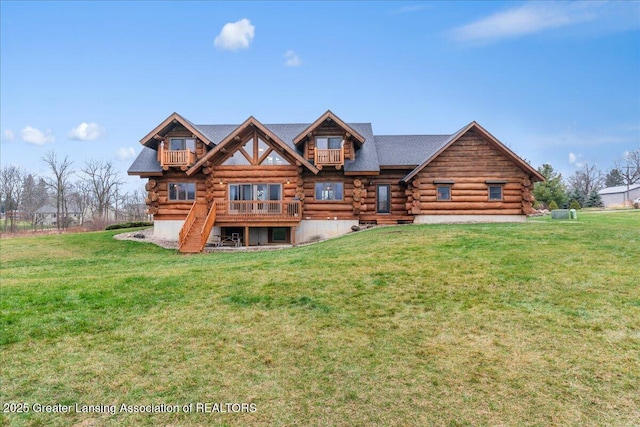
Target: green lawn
point(448, 325)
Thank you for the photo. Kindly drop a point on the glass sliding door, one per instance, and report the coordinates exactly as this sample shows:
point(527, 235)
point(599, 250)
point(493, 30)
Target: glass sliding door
point(255, 198)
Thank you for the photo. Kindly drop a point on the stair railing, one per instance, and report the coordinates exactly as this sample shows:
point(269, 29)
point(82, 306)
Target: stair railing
point(207, 226)
point(188, 223)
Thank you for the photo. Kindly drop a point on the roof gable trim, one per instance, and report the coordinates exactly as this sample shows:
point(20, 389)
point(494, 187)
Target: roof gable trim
point(271, 137)
point(328, 116)
point(154, 136)
point(492, 140)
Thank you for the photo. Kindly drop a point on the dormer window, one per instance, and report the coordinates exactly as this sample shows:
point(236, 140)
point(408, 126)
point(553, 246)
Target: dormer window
point(182, 144)
point(329, 142)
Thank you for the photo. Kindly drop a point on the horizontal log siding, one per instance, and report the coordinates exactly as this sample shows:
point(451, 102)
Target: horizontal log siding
point(314, 209)
point(469, 162)
point(170, 209)
point(398, 212)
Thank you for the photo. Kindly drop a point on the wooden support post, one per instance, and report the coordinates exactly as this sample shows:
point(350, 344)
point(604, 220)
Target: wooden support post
point(246, 235)
point(293, 236)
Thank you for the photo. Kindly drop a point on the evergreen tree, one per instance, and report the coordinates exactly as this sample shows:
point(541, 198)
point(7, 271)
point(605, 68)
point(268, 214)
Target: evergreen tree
point(552, 189)
point(574, 204)
point(595, 201)
point(578, 196)
point(614, 178)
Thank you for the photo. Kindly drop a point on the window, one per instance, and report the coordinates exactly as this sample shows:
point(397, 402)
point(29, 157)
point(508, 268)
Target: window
point(495, 192)
point(237, 159)
point(329, 142)
point(255, 192)
point(383, 201)
point(329, 191)
point(279, 234)
point(182, 191)
point(182, 144)
point(444, 192)
point(273, 159)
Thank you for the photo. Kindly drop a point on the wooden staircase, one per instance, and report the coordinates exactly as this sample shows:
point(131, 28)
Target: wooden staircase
point(195, 231)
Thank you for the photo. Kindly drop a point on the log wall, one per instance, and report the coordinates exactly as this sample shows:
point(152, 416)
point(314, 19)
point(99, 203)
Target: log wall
point(469, 163)
point(398, 197)
point(158, 203)
point(318, 209)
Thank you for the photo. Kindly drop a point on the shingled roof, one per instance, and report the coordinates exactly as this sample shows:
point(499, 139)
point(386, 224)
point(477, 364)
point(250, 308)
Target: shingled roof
point(379, 150)
point(408, 150)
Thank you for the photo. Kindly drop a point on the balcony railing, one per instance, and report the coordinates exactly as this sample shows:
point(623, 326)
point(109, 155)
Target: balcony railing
point(329, 157)
point(258, 210)
point(178, 157)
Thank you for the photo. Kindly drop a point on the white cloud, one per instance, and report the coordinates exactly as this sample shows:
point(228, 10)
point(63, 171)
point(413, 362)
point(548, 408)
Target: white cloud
point(235, 35)
point(86, 132)
point(574, 159)
point(36, 136)
point(125, 153)
point(291, 59)
point(9, 135)
point(526, 19)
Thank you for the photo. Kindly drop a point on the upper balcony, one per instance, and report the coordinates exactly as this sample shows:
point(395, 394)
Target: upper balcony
point(182, 158)
point(329, 157)
point(177, 158)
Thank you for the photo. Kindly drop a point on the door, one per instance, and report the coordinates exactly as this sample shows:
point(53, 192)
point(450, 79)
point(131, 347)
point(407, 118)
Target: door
point(383, 198)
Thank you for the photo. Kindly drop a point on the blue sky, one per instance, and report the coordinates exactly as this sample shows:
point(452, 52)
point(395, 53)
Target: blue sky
point(558, 82)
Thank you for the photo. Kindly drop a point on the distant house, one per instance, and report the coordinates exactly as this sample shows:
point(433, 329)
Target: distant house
point(48, 216)
point(257, 184)
point(617, 196)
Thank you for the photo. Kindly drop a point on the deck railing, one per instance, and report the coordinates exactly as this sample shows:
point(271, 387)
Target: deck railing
point(258, 210)
point(178, 157)
point(331, 156)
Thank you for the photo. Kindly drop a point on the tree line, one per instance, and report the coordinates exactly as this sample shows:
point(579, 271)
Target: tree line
point(93, 191)
point(581, 189)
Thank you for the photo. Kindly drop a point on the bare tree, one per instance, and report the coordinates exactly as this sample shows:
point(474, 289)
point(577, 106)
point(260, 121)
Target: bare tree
point(102, 179)
point(630, 168)
point(60, 184)
point(11, 182)
point(586, 180)
point(81, 197)
point(134, 205)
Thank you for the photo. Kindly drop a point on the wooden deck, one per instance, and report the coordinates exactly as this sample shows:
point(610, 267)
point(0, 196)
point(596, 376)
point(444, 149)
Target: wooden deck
point(252, 211)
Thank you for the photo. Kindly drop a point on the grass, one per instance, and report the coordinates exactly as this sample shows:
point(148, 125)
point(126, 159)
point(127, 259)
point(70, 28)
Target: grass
point(532, 324)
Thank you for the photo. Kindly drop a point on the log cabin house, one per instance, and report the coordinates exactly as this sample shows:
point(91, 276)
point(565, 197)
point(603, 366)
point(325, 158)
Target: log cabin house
point(260, 184)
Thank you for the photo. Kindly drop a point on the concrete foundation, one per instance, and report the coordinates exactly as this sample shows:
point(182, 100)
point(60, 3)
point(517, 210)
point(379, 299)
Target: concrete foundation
point(310, 230)
point(168, 229)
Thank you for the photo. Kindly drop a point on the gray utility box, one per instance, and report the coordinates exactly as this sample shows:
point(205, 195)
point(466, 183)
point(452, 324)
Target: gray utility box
point(564, 214)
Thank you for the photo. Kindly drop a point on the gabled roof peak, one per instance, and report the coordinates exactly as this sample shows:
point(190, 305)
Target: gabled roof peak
point(490, 138)
point(328, 115)
point(155, 135)
point(254, 123)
